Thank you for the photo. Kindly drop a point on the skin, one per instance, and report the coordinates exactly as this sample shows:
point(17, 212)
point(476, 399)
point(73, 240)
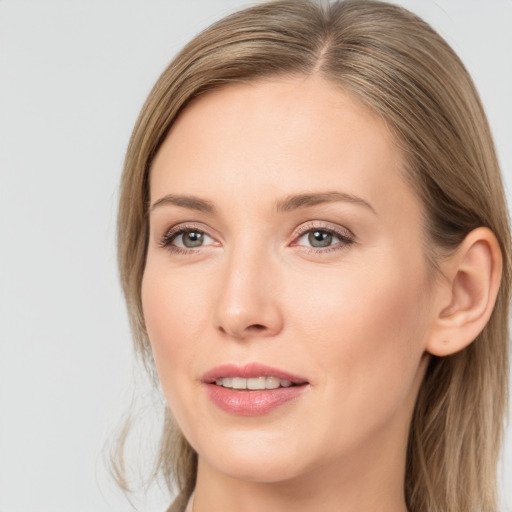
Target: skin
point(354, 319)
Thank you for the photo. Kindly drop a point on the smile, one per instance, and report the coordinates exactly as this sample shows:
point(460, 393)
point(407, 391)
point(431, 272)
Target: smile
point(253, 389)
point(253, 383)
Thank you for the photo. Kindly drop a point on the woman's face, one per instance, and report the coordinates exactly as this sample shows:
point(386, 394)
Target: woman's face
point(286, 250)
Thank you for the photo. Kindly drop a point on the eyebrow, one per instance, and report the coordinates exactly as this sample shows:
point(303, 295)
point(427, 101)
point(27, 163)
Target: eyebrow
point(290, 203)
point(190, 202)
point(297, 201)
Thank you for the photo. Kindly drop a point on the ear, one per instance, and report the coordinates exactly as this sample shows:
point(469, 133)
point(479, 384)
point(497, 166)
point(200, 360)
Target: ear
point(465, 298)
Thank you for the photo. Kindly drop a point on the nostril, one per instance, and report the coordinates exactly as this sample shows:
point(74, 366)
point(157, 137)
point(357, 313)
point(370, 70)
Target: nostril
point(253, 327)
point(257, 327)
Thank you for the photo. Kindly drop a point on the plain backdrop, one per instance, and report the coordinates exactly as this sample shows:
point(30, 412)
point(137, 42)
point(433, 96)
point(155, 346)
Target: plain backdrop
point(73, 76)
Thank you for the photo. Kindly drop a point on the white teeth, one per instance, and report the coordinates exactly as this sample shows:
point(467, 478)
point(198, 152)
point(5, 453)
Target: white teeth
point(239, 383)
point(272, 383)
point(253, 383)
point(256, 383)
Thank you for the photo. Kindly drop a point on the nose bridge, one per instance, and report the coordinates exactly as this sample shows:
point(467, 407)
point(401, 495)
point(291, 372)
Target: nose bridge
point(247, 301)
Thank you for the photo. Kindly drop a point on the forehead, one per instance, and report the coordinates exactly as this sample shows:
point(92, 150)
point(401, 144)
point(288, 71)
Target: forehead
point(276, 137)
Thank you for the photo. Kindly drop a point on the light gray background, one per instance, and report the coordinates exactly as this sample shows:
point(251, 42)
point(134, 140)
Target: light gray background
point(73, 76)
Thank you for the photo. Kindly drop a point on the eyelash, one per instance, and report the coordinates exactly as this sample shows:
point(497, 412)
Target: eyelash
point(345, 239)
point(172, 234)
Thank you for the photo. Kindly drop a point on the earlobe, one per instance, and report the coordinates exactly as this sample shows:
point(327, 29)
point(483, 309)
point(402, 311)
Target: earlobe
point(468, 294)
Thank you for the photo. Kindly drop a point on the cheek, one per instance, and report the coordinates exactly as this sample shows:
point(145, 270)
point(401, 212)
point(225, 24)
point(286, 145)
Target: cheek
point(174, 302)
point(365, 329)
point(171, 305)
point(368, 303)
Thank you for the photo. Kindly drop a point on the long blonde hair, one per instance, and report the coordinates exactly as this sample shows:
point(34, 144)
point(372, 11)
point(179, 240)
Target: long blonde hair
point(406, 73)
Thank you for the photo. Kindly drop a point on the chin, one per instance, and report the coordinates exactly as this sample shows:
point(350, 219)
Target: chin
point(261, 471)
point(254, 460)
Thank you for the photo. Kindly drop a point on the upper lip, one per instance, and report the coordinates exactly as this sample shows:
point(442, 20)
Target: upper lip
point(248, 371)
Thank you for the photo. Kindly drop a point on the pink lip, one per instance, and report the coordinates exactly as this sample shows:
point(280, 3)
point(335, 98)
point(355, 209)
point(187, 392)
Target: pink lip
point(248, 371)
point(251, 402)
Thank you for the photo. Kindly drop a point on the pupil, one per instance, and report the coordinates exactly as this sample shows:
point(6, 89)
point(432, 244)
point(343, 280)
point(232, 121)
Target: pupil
point(320, 239)
point(192, 239)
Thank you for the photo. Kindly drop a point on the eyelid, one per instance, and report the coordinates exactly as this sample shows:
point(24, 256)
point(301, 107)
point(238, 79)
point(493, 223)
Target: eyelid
point(171, 234)
point(342, 232)
point(345, 236)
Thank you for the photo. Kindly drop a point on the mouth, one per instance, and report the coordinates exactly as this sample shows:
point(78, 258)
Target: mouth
point(252, 376)
point(253, 383)
point(253, 389)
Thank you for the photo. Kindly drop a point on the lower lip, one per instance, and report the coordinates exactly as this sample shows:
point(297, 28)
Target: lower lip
point(254, 402)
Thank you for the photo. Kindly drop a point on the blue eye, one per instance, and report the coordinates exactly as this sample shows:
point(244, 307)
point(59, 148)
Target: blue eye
point(323, 239)
point(191, 239)
point(319, 238)
point(185, 239)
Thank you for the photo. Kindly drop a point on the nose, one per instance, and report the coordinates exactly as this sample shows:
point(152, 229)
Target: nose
point(248, 300)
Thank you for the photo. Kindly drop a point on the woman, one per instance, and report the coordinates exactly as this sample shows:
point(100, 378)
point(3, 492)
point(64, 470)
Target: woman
point(314, 249)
